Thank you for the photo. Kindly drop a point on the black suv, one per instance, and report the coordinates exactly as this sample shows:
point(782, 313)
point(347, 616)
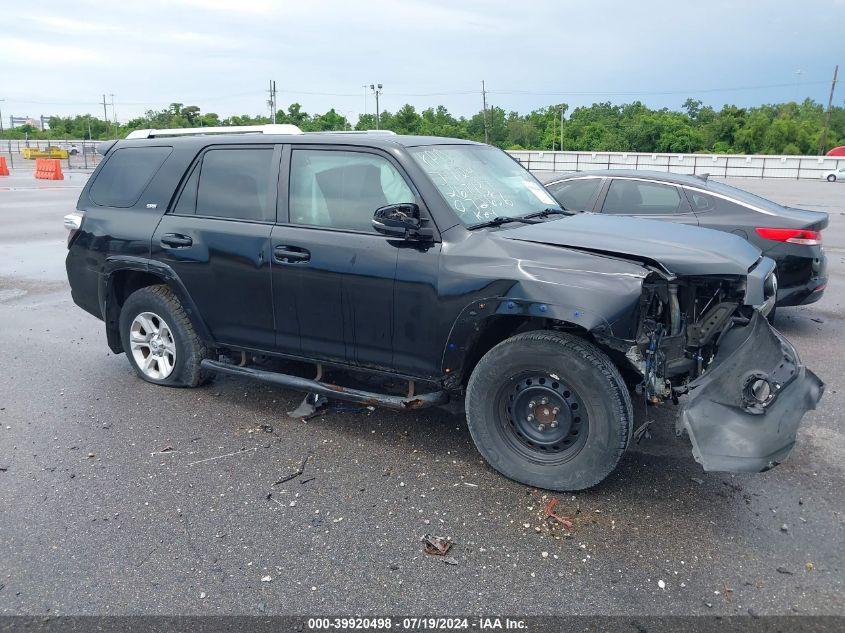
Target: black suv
point(429, 270)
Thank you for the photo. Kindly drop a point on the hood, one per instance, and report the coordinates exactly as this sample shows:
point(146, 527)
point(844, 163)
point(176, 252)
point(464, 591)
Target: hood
point(678, 248)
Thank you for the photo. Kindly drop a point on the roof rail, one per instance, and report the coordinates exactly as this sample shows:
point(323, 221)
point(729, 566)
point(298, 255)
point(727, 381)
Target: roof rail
point(354, 132)
point(270, 128)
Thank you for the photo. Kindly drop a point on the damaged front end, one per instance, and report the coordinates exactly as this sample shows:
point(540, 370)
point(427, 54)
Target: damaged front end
point(743, 413)
point(746, 390)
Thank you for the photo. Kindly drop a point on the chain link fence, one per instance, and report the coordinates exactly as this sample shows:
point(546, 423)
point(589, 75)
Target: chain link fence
point(74, 154)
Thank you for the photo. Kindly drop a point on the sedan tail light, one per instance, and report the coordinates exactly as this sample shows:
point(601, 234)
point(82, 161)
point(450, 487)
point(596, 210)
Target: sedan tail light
point(73, 222)
point(805, 237)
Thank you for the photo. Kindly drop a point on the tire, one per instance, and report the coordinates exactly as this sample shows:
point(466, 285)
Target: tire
point(584, 433)
point(154, 326)
point(770, 317)
point(831, 178)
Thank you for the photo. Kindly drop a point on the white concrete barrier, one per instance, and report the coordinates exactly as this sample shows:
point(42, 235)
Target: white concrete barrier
point(718, 165)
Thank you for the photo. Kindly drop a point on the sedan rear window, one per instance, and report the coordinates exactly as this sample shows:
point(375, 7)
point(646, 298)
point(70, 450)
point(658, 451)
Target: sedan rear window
point(126, 174)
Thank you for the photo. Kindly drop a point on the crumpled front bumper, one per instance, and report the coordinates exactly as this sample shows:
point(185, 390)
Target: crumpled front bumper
point(735, 422)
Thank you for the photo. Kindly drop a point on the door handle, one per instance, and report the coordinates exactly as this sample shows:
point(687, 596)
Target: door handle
point(290, 254)
point(175, 240)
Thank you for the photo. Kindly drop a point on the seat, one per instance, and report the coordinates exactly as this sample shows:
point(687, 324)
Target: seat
point(352, 194)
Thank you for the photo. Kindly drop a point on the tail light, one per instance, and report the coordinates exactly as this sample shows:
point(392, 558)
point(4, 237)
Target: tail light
point(805, 237)
point(73, 222)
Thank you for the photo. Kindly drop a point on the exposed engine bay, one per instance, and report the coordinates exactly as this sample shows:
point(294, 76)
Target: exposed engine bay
point(681, 323)
point(701, 337)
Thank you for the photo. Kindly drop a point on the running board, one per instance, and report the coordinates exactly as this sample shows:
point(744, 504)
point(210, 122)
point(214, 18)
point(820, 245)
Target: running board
point(421, 401)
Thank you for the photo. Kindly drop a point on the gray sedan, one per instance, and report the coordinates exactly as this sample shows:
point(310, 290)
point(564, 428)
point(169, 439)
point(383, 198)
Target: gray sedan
point(792, 237)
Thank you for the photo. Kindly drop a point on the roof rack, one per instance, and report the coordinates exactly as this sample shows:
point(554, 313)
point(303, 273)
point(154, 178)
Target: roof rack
point(270, 128)
point(354, 132)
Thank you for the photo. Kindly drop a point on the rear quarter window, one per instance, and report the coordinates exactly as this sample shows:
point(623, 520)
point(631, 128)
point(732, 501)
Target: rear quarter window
point(126, 174)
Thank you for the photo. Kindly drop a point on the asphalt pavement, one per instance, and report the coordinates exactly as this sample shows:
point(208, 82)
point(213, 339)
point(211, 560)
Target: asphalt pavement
point(120, 497)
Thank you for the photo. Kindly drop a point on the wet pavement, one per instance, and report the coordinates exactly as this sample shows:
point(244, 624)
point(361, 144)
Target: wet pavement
point(120, 497)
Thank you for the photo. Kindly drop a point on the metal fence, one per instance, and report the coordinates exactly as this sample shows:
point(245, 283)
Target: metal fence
point(82, 154)
point(718, 165)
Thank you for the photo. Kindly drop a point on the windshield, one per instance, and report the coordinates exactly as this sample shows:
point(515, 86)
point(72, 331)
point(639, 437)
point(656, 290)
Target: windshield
point(739, 194)
point(481, 182)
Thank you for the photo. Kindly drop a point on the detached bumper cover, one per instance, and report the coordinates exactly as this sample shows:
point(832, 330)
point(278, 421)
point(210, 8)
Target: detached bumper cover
point(743, 414)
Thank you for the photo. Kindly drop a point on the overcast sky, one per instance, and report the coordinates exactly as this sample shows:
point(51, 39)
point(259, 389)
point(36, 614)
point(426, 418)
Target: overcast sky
point(59, 57)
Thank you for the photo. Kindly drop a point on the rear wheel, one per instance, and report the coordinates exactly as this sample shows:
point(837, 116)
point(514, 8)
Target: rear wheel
point(831, 178)
point(159, 339)
point(549, 409)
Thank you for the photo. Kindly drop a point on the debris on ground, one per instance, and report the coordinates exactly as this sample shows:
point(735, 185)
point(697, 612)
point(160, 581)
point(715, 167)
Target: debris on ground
point(550, 513)
point(661, 584)
point(209, 459)
point(267, 428)
point(436, 545)
point(294, 474)
point(276, 501)
point(643, 431)
point(267, 579)
point(809, 566)
point(783, 570)
point(784, 528)
point(697, 480)
point(3, 469)
point(309, 406)
point(166, 449)
point(450, 561)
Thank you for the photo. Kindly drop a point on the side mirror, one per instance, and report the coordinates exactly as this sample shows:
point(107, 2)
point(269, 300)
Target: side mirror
point(400, 221)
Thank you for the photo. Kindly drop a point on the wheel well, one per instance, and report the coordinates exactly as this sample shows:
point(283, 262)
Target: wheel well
point(124, 283)
point(499, 328)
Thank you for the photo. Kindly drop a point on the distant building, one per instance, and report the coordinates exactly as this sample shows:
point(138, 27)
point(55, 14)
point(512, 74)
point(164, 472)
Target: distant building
point(19, 121)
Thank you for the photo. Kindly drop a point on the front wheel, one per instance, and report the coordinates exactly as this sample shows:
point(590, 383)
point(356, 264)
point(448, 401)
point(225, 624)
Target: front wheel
point(159, 339)
point(550, 410)
point(831, 178)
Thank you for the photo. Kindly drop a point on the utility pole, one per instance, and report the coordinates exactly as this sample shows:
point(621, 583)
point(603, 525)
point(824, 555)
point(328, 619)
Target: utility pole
point(272, 101)
point(105, 112)
point(484, 106)
point(561, 129)
point(823, 141)
point(113, 114)
point(376, 88)
point(365, 98)
point(554, 119)
point(1, 118)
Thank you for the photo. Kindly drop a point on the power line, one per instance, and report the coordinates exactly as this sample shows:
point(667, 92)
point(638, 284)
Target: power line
point(539, 93)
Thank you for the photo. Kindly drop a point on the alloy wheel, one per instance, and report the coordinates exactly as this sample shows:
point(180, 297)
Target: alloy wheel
point(153, 345)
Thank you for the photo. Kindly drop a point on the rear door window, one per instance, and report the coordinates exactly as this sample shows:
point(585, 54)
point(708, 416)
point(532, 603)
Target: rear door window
point(577, 194)
point(234, 183)
point(126, 174)
point(636, 197)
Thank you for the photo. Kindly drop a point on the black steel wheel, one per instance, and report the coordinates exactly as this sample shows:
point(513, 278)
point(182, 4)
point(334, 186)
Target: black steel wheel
point(549, 409)
point(545, 415)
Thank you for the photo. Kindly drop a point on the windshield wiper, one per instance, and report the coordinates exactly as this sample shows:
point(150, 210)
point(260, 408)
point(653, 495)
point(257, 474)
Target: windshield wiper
point(503, 219)
point(547, 212)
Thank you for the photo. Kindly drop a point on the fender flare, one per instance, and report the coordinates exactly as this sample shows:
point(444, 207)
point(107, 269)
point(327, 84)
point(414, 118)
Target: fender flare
point(107, 304)
point(468, 327)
